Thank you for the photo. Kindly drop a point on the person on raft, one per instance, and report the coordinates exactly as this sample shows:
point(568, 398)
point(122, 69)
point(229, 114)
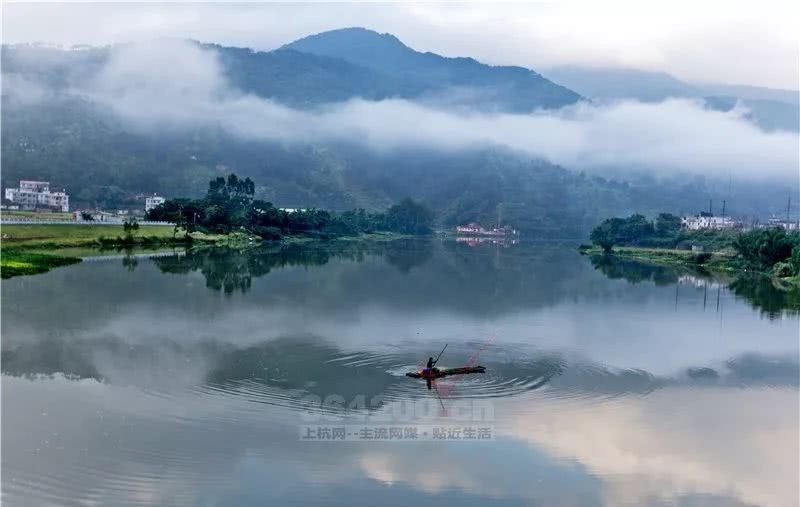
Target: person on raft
point(431, 362)
point(430, 371)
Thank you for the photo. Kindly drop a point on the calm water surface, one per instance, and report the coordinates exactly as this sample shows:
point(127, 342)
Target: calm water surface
point(196, 379)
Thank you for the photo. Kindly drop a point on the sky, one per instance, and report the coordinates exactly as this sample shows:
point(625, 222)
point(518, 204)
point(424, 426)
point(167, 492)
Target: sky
point(733, 42)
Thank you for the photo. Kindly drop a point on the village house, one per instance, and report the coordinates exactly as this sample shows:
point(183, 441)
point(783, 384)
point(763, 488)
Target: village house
point(477, 229)
point(153, 201)
point(703, 221)
point(37, 195)
point(789, 225)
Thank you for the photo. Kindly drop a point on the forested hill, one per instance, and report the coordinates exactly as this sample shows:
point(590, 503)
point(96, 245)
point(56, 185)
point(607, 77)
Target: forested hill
point(506, 88)
point(301, 74)
point(768, 108)
point(76, 145)
point(53, 130)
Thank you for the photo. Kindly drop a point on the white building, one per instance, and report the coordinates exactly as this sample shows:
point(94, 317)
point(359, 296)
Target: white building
point(477, 229)
point(789, 225)
point(708, 222)
point(153, 201)
point(37, 194)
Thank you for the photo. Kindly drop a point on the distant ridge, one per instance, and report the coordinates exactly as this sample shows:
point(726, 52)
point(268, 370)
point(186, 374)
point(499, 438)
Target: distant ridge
point(511, 88)
point(769, 108)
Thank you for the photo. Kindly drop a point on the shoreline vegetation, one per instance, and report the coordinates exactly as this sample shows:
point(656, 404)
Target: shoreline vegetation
point(230, 205)
point(36, 249)
point(228, 215)
point(770, 252)
point(29, 249)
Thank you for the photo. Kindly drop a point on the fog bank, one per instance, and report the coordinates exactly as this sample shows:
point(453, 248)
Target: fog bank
point(173, 84)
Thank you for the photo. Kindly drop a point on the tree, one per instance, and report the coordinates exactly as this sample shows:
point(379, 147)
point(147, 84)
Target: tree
point(229, 205)
point(794, 260)
point(634, 229)
point(606, 234)
point(763, 248)
point(667, 224)
point(409, 217)
point(130, 226)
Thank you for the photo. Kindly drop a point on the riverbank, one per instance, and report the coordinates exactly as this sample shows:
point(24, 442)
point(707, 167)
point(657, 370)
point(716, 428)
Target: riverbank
point(54, 236)
point(29, 249)
point(16, 263)
point(371, 236)
point(723, 261)
point(37, 248)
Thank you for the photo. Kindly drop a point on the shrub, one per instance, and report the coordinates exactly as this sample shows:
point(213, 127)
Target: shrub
point(763, 248)
point(701, 258)
point(783, 269)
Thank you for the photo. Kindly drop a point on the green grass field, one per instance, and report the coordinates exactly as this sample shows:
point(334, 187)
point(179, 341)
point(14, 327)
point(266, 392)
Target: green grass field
point(36, 248)
point(16, 263)
point(71, 235)
point(36, 215)
point(717, 261)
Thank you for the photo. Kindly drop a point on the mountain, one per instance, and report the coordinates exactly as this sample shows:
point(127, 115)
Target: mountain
point(57, 130)
point(303, 79)
point(513, 89)
point(370, 49)
point(617, 83)
point(754, 93)
point(286, 76)
point(358, 63)
point(101, 162)
point(768, 108)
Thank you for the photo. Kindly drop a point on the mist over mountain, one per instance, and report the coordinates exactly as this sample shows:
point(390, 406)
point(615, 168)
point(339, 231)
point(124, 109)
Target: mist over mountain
point(352, 118)
point(768, 108)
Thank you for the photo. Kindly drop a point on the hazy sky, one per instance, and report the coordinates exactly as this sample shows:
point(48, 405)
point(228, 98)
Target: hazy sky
point(752, 43)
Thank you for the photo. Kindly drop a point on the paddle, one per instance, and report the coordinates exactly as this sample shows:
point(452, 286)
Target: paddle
point(440, 353)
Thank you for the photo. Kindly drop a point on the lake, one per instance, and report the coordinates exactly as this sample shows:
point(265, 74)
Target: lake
point(277, 376)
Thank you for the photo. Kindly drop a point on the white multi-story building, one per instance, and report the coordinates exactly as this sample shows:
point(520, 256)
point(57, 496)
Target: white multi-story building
point(789, 225)
point(708, 222)
point(153, 201)
point(37, 194)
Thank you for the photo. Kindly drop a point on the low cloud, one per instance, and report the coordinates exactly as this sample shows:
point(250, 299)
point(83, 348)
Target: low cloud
point(19, 90)
point(177, 84)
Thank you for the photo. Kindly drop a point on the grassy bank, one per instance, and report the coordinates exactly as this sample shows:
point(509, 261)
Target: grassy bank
point(36, 215)
point(724, 261)
point(372, 236)
point(29, 249)
point(36, 248)
point(719, 261)
point(17, 263)
point(54, 236)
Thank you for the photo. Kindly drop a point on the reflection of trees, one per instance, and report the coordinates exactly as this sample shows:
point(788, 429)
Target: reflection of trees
point(130, 262)
point(407, 254)
point(633, 271)
point(760, 292)
point(232, 270)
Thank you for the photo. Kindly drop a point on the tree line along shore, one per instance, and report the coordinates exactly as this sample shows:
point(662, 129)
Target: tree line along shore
point(772, 252)
point(227, 215)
